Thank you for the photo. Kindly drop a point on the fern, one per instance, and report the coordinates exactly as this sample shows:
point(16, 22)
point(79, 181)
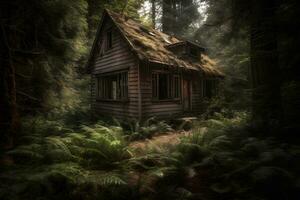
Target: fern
point(57, 143)
point(109, 179)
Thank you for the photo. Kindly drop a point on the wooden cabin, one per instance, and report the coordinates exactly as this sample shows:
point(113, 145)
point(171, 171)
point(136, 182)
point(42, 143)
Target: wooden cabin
point(139, 72)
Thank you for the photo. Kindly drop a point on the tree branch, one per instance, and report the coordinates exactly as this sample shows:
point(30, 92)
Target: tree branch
point(23, 76)
point(28, 96)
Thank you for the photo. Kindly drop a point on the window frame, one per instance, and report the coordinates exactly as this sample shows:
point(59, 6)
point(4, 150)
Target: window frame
point(108, 39)
point(171, 88)
point(101, 49)
point(103, 84)
point(178, 88)
point(194, 52)
point(209, 84)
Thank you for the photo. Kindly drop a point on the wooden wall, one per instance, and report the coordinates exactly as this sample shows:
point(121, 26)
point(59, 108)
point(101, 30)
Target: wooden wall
point(119, 57)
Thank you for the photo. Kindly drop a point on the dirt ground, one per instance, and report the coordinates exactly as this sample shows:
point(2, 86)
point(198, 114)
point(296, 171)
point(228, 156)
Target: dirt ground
point(169, 138)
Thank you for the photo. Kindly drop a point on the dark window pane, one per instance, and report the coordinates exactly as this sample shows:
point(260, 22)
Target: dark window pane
point(109, 40)
point(176, 87)
point(163, 86)
point(154, 86)
point(194, 51)
point(209, 88)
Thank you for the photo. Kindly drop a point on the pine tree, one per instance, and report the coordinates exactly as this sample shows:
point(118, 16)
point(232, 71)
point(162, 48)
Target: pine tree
point(9, 116)
point(177, 15)
point(271, 27)
point(42, 42)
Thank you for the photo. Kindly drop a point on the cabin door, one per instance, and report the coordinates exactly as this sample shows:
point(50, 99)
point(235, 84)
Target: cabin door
point(186, 95)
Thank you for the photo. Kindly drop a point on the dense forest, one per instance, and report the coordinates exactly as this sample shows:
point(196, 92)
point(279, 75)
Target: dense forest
point(245, 145)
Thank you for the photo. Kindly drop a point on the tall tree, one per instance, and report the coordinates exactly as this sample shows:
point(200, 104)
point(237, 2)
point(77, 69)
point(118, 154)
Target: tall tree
point(271, 27)
point(177, 15)
point(96, 7)
point(153, 13)
point(9, 116)
point(41, 43)
point(265, 72)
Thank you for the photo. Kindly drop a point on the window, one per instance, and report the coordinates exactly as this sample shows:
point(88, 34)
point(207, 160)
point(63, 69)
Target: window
point(109, 40)
point(209, 88)
point(176, 87)
point(165, 86)
point(194, 52)
point(113, 87)
point(100, 48)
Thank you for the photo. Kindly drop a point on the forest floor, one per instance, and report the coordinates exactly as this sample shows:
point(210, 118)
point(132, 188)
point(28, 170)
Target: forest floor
point(218, 157)
point(167, 138)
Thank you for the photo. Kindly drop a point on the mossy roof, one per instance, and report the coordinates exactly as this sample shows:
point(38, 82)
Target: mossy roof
point(151, 45)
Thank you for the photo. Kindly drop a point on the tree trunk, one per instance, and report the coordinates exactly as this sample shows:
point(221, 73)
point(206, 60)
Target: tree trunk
point(167, 16)
point(265, 72)
point(153, 13)
point(9, 118)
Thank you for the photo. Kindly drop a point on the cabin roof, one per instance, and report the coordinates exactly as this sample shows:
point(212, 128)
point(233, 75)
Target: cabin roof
point(152, 45)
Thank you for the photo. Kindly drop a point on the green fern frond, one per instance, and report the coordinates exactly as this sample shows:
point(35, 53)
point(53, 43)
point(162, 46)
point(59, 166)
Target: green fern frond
point(149, 121)
point(58, 155)
point(90, 153)
point(56, 142)
point(111, 179)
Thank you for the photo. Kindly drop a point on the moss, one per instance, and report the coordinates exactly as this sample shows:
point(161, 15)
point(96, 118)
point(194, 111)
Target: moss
point(151, 44)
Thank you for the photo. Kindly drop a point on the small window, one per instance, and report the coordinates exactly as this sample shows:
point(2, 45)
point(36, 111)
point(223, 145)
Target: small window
point(176, 88)
point(109, 40)
point(165, 86)
point(114, 87)
point(209, 88)
point(194, 52)
point(100, 48)
point(155, 86)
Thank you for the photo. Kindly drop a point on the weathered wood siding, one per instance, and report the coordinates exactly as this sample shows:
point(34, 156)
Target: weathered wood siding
point(119, 57)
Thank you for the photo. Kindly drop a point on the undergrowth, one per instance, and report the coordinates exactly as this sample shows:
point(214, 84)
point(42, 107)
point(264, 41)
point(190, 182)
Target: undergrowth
point(220, 159)
point(57, 162)
point(138, 130)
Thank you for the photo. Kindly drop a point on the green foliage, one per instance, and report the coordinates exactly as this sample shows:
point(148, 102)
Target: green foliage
point(220, 157)
point(137, 130)
point(53, 157)
point(96, 7)
point(223, 154)
point(51, 40)
point(241, 165)
point(94, 146)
